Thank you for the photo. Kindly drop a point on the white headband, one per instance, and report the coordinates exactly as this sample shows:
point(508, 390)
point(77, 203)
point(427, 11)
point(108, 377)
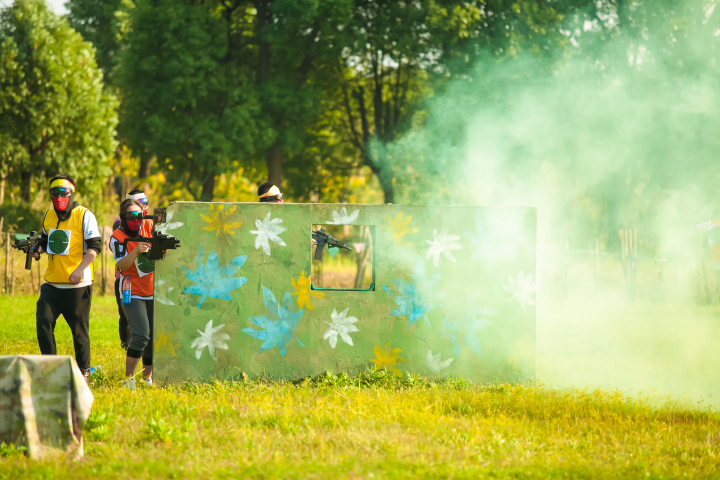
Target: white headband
point(136, 196)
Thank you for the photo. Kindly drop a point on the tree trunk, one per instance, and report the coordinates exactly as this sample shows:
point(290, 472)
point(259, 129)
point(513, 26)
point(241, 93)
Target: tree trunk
point(145, 164)
point(208, 188)
point(274, 155)
point(388, 188)
point(2, 189)
point(274, 162)
point(383, 174)
point(26, 181)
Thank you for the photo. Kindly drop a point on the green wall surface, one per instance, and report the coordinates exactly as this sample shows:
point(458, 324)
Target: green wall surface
point(453, 293)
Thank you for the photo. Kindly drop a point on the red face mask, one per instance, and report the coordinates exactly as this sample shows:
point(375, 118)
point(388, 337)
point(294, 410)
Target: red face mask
point(134, 225)
point(61, 203)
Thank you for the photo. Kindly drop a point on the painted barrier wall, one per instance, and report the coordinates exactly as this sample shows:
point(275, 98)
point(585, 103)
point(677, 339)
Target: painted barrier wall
point(452, 293)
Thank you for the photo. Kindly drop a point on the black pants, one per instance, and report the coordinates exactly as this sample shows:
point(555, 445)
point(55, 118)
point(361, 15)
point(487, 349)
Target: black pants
point(140, 315)
point(74, 305)
point(123, 326)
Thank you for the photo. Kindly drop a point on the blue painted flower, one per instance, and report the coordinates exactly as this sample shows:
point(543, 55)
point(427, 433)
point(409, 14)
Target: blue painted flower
point(466, 330)
point(277, 326)
point(414, 299)
point(212, 280)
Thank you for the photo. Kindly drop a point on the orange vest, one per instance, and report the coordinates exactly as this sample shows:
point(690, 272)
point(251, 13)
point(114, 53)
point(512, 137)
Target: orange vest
point(140, 286)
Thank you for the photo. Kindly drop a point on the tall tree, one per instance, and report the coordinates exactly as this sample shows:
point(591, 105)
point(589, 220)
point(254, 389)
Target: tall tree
point(183, 100)
point(55, 115)
point(397, 53)
point(297, 41)
point(104, 25)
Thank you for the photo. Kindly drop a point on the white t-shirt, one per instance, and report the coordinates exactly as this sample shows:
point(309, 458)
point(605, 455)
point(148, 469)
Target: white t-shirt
point(90, 230)
point(113, 242)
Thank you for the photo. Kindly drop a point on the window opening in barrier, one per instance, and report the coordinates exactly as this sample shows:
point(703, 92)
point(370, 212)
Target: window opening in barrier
point(346, 260)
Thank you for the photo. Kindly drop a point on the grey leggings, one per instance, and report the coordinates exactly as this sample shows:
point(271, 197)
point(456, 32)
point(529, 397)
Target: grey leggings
point(140, 318)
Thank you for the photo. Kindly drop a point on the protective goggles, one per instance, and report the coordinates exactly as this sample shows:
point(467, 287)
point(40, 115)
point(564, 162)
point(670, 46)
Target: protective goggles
point(56, 192)
point(133, 215)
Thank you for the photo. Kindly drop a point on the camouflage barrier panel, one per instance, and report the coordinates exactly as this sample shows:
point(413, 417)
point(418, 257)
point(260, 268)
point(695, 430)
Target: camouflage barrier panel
point(438, 291)
point(44, 404)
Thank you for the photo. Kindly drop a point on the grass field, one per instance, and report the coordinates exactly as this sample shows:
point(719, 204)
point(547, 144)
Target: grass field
point(368, 427)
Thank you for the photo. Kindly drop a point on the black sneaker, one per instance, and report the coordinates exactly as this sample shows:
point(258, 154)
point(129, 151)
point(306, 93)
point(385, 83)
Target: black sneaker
point(86, 375)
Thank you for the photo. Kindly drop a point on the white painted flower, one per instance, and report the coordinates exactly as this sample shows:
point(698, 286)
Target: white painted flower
point(341, 325)
point(159, 296)
point(168, 225)
point(444, 244)
point(522, 288)
point(267, 231)
point(435, 362)
point(342, 217)
point(210, 338)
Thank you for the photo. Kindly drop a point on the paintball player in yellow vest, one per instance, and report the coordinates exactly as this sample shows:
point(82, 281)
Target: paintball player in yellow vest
point(71, 238)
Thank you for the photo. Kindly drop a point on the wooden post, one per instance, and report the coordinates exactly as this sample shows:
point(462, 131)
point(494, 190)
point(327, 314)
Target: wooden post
point(2, 221)
point(628, 244)
point(31, 284)
point(102, 260)
point(597, 261)
point(39, 274)
point(12, 271)
point(7, 265)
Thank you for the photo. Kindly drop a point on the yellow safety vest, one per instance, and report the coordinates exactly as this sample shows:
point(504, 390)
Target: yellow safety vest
point(66, 241)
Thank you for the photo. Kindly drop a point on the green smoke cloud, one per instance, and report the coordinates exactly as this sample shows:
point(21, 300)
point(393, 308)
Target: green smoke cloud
point(619, 129)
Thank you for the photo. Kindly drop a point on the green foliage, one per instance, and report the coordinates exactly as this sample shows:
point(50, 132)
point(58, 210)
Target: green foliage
point(98, 423)
point(610, 127)
point(397, 54)
point(161, 430)
point(20, 218)
point(105, 25)
point(313, 89)
point(54, 113)
point(11, 450)
point(185, 100)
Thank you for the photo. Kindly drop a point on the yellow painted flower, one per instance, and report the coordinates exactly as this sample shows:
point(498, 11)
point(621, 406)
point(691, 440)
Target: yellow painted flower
point(164, 343)
point(304, 292)
point(388, 358)
point(218, 220)
point(399, 227)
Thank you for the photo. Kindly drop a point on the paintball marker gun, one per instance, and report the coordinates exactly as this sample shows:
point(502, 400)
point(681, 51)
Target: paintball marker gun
point(323, 238)
point(159, 244)
point(28, 247)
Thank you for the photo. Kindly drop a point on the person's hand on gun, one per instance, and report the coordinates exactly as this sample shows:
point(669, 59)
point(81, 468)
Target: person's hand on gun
point(141, 248)
point(37, 253)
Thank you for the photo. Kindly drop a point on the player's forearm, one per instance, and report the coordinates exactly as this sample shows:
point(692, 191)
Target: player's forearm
point(87, 259)
point(128, 260)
